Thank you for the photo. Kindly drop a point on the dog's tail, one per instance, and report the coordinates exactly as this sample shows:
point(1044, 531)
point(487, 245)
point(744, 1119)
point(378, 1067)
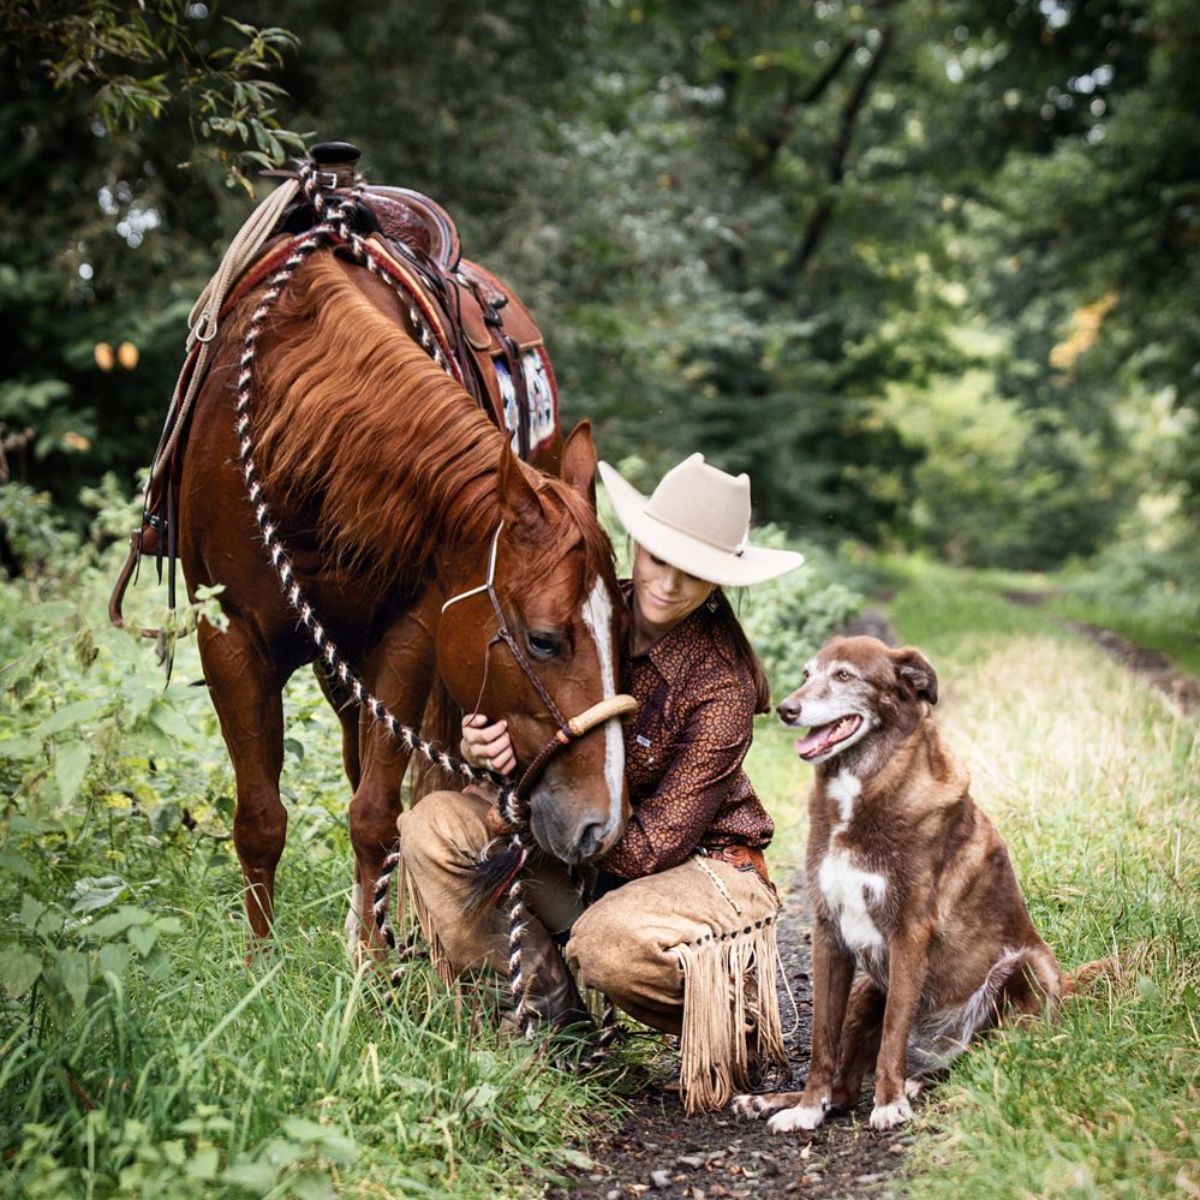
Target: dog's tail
point(1082, 978)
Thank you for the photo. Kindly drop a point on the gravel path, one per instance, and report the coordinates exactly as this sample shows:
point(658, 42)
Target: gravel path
point(657, 1151)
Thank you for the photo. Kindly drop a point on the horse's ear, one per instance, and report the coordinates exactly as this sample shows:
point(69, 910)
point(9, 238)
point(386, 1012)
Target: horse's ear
point(579, 460)
point(518, 500)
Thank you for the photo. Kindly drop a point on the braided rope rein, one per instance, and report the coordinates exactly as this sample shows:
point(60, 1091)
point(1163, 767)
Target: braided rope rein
point(519, 916)
point(334, 226)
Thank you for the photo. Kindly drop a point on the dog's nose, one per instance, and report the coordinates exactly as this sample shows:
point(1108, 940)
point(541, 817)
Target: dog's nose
point(789, 711)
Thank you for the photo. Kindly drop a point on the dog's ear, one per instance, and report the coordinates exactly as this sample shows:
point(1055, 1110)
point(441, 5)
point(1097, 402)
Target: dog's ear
point(914, 673)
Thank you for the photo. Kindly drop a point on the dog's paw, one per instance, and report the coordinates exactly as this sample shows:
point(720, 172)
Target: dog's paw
point(890, 1116)
point(803, 1116)
point(913, 1088)
point(753, 1107)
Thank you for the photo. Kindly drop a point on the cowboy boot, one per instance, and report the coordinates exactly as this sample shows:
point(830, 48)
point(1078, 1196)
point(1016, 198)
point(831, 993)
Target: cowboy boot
point(551, 997)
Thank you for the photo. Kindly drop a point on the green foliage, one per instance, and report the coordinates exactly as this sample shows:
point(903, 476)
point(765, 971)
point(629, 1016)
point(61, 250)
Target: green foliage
point(104, 240)
point(141, 1053)
point(762, 233)
point(788, 619)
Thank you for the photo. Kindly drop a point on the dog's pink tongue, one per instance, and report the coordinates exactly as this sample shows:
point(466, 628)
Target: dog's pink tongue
point(814, 742)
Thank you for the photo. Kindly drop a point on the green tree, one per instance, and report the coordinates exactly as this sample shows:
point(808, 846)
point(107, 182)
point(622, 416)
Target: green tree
point(105, 239)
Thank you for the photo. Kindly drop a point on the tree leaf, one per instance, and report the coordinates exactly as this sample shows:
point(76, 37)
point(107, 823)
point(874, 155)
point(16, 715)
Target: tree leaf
point(142, 939)
point(69, 715)
point(205, 1160)
point(25, 747)
point(115, 923)
point(303, 1130)
point(311, 1185)
point(482, 1095)
point(259, 1177)
point(19, 971)
point(92, 894)
point(169, 722)
point(74, 971)
point(14, 864)
point(114, 959)
point(70, 768)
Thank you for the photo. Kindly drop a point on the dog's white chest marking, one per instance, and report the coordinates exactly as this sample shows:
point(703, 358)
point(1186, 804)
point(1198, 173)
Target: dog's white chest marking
point(844, 789)
point(846, 889)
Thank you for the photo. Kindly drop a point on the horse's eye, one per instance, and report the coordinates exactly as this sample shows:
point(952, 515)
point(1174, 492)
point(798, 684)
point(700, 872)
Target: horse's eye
point(544, 645)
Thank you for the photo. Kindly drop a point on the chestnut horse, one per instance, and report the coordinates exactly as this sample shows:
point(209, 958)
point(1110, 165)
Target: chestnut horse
point(390, 488)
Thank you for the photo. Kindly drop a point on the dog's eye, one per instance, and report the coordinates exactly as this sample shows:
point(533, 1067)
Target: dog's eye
point(842, 676)
point(804, 675)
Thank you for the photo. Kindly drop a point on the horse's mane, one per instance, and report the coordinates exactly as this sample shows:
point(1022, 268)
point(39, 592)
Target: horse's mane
point(355, 424)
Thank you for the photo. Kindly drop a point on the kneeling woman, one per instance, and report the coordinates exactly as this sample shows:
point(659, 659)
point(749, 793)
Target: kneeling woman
point(679, 927)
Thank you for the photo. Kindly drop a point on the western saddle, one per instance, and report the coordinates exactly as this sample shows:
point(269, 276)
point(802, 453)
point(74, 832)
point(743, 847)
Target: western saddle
point(487, 337)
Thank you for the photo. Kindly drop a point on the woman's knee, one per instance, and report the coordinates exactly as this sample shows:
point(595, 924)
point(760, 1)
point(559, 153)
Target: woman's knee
point(443, 823)
point(614, 947)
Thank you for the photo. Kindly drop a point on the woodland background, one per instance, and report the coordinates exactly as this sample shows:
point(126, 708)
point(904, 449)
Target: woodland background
point(928, 269)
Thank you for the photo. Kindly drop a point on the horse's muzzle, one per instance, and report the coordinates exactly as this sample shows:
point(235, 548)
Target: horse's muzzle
point(571, 836)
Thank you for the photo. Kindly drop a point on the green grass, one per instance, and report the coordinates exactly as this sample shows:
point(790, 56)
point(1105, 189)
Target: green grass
point(1094, 786)
point(781, 781)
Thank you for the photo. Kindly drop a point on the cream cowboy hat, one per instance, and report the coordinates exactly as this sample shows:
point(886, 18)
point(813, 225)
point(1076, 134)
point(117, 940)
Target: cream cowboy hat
point(699, 521)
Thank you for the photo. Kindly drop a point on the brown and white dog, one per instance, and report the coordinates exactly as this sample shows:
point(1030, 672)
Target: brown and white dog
point(908, 879)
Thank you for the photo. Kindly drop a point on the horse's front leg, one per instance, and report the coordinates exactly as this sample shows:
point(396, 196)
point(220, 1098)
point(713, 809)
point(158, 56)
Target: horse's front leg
point(247, 693)
point(400, 673)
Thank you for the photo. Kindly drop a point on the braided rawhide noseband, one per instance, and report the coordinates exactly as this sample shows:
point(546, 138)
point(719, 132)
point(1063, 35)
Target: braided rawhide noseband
point(335, 227)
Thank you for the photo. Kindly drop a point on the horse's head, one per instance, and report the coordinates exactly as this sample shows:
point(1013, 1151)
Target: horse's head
point(555, 583)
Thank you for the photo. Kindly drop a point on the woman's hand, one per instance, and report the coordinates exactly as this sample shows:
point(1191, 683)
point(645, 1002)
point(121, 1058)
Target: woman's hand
point(485, 745)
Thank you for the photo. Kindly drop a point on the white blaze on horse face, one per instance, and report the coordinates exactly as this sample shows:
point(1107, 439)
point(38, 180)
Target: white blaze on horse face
point(598, 617)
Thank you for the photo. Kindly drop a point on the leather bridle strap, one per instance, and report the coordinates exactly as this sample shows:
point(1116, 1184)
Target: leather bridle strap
point(569, 729)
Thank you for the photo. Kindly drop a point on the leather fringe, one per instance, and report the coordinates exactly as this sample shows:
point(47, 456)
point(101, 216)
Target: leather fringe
point(410, 902)
point(729, 1006)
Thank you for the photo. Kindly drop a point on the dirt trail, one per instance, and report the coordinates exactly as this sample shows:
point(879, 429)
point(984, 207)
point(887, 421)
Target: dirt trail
point(657, 1151)
point(1180, 690)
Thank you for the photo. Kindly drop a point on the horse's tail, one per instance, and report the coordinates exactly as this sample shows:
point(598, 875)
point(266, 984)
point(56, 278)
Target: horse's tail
point(441, 723)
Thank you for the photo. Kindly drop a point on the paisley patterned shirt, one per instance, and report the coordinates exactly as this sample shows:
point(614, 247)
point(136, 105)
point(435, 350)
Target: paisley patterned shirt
point(684, 749)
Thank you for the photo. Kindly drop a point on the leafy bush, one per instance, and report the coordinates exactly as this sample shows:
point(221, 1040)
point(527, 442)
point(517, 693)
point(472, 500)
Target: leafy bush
point(1162, 586)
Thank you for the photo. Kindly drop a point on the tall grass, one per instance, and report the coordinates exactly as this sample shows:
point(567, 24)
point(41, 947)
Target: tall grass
point(1094, 785)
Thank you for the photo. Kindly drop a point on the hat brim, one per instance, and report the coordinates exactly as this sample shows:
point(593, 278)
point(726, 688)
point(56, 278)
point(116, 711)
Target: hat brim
point(755, 564)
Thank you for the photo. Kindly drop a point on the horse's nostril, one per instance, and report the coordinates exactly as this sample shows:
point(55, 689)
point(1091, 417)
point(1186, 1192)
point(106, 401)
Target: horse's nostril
point(590, 838)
